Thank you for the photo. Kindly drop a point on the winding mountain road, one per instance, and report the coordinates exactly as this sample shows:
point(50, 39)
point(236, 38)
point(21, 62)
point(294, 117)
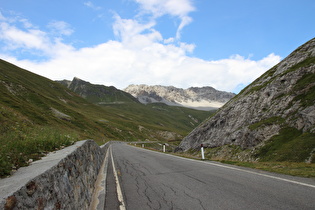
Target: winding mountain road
point(153, 180)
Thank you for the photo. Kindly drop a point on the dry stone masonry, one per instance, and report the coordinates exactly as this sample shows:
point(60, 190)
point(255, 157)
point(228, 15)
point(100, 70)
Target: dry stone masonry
point(62, 180)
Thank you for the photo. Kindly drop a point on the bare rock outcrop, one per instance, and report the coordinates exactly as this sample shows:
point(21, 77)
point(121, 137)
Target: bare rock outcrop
point(282, 97)
point(203, 98)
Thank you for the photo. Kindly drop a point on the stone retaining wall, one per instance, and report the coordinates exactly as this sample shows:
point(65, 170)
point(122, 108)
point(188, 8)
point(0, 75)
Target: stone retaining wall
point(62, 180)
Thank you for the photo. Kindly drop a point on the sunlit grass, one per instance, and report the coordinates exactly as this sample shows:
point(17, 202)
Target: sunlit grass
point(26, 144)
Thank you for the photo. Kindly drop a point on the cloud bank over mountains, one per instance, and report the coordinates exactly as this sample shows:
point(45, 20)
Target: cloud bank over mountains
point(140, 54)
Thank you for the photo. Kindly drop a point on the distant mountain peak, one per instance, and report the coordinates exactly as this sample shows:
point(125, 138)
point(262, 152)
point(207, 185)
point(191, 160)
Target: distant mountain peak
point(99, 94)
point(202, 98)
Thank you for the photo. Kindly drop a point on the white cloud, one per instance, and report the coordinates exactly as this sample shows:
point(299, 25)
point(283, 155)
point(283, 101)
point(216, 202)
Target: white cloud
point(26, 23)
point(91, 5)
point(141, 56)
point(129, 31)
point(16, 38)
point(1, 16)
point(169, 40)
point(176, 8)
point(179, 8)
point(112, 63)
point(60, 28)
point(185, 21)
point(30, 39)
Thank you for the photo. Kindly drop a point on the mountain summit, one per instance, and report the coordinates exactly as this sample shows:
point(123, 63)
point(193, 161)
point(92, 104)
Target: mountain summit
point(98, 94)
point(274, 117)
point(204, 98)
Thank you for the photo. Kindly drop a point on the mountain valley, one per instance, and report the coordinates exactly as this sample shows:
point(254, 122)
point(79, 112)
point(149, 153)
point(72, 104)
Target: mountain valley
point(38, 115)
point(272, 119)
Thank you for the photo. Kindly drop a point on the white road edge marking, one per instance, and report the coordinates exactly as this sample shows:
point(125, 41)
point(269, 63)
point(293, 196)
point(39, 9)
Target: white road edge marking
point(237, 169)
point(118, 188)
point(100, 187)
point(265, 175)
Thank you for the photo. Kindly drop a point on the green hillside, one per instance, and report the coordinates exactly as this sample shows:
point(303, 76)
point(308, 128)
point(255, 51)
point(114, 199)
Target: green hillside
point(99, 94)
point(38, 115)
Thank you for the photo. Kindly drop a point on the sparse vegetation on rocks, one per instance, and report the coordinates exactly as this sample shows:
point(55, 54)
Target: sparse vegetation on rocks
point(272, 119)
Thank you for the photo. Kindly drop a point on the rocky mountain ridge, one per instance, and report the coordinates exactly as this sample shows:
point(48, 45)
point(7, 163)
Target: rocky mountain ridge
point(279, 102)
point(98, 94)
point(202, 98)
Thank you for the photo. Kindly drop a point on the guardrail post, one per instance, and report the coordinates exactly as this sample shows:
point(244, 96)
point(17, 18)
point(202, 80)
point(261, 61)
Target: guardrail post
point(202, 152)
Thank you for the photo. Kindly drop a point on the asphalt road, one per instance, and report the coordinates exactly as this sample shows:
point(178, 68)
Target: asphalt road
point(152, 180)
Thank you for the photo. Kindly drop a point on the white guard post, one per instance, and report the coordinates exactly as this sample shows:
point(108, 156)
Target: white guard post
point(202, 152)
point(163, 147)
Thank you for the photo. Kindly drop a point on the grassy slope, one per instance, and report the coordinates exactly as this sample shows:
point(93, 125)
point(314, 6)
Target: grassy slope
point(39, 115)
point(100, 93)
point(158, 116)
point(28, 98)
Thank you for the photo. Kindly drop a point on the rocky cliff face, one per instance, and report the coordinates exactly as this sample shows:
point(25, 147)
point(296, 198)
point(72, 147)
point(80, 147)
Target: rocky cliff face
point(205, 98)
point(283, 97)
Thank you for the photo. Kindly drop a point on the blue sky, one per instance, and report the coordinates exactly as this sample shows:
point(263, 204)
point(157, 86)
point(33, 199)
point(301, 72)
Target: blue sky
point(225, 44)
